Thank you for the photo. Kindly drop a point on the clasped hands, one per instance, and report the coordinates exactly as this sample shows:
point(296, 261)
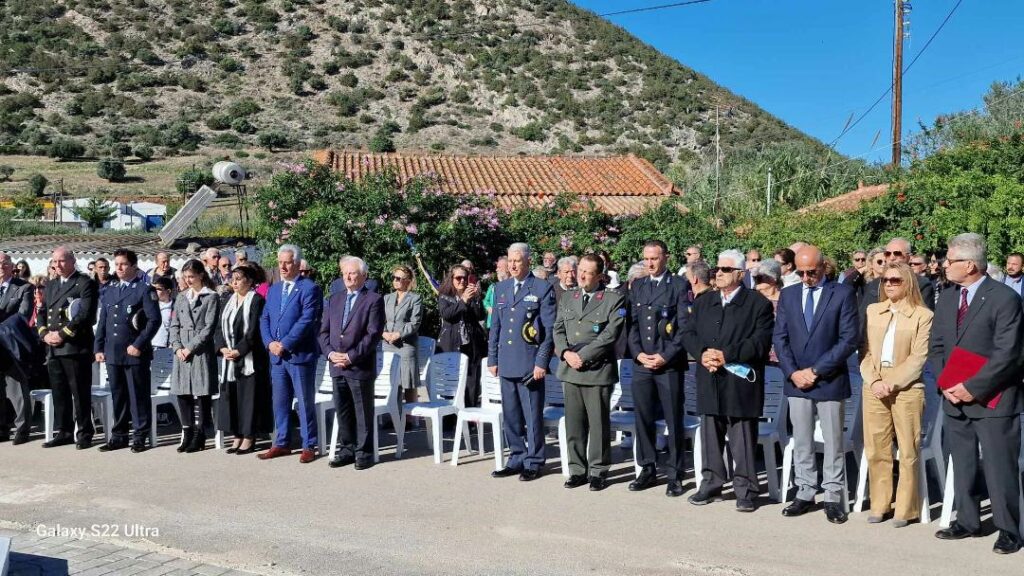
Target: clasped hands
point(391, 337)
point(958, 394)
point(804, 379)
point(712, 359)
point(339, 359)
point(53, 338)
point(538, 372)
point(651, 361)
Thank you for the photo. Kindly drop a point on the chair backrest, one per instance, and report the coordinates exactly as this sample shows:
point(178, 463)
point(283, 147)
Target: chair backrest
point(852, 417)
point(160, 370)
point(775, 405)
point(446, 379)
point(554, 395)
point(387, 375)
point(425, 347)
point(325, 384)
point(624, 387)
point(490, 388)
point(99, 375)
point(690, 390)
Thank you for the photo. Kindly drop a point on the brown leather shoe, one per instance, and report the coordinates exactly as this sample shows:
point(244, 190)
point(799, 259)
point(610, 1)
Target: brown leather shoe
point(308, 455)
point(274, 452)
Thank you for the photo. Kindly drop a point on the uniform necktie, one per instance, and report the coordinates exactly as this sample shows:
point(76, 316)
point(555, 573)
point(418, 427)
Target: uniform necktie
point(586, 300)
point(961, 313)
point(809, 307)
point(515, 291)
point(3, 290)
point(348, 308)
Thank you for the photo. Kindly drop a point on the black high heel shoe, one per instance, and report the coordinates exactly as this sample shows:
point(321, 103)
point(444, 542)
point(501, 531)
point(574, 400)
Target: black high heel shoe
point(198, 442)
point(186, 439)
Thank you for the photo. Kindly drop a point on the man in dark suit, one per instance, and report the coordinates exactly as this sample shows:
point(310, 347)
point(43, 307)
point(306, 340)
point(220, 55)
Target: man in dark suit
point(288, 326)
point(816, 330)
point(129, 318)
point(349, 334)
point(589, 321)
point(658, 312)
point(519, 347)
point(982, 316)
point(730, 333)
point(70, 301)
point(15, 299)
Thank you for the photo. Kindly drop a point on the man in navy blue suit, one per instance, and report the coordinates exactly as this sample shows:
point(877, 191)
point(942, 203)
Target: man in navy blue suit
point(289, 326)
point(519, 349)
point(816, 330)
point(349, 334)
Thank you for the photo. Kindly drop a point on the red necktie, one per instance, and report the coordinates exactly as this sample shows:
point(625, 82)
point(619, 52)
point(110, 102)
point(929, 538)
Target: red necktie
point(961, 313)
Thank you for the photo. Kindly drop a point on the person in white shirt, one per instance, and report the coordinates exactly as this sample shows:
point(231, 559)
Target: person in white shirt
point(164, 293)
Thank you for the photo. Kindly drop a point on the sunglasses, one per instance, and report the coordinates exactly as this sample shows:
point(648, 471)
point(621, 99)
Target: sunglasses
point(917, 263)
point(399, 279)
point(807, 273)
point(895, 253)
point(459, 278)
point(859, 259)
point(893, 281)
point(764, 280)
point(724, 270)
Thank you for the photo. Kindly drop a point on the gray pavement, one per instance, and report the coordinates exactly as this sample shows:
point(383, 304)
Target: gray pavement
point(411, 516)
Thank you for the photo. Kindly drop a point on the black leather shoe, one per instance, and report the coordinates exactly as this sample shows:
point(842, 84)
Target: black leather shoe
point(528, 475)
point(84, 444)
point(59, 441)
point(139, 446)
point(798, 507)
point(19, 439)
point(111, 446)
point(575, 481)
point(702, 498)
point(835, 513)
point(955, 532)
point(340, 461)
point(505, 472)
point(598, 483)
point(363, 464)
point(186, 439)
point(674, 489)
point(648, 476)
point(1006, 543)
point(745, 505)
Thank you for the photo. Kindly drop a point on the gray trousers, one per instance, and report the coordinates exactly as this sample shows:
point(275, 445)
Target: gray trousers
point(833, 481)
point(20, 395)
point(742, 435)
point(587, 429)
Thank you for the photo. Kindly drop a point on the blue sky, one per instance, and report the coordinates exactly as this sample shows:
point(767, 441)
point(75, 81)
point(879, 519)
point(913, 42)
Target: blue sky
point(814, 63)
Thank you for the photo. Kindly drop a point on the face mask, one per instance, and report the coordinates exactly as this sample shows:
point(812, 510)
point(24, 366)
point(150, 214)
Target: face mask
point(743, 371)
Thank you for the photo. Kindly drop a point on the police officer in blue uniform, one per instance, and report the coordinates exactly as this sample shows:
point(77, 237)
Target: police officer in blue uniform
point(518, 352)
point(658, 312)
point(129, 318)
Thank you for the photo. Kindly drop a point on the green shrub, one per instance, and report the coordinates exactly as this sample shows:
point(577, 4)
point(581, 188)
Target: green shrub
point(193, 179)
point(272, 139)
point(65, 149)
point(382, 142)
point(143, 152)
point(28, 205)
point(6, 172)
point(111, 169)
point(37, 184)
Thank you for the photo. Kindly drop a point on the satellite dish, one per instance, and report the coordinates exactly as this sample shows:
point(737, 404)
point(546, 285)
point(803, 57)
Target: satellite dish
point(229, 173)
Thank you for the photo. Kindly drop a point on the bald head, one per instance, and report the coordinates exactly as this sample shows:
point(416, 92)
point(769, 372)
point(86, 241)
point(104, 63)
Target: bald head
point(64, 261)
point(798, 246)
point(810, 265)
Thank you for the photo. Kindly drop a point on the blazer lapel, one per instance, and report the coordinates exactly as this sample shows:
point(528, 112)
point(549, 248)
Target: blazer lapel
point(64, 287)
point(972, 310)
point(356, 306)
point(527, 285)
point(819, 310)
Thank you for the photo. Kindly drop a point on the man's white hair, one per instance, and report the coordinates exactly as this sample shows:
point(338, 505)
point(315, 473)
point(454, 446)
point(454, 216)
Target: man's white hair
point(294, 250)
point(520, 247)
point(568, 261)
point(737, 258)
point(363, 268)
point(970, 246)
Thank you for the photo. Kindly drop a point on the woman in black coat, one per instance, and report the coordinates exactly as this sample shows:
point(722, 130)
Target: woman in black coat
point(244, 406)
point(460, 304)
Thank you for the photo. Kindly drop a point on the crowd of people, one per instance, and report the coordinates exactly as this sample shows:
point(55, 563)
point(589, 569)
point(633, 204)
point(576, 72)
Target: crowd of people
point(912, 324)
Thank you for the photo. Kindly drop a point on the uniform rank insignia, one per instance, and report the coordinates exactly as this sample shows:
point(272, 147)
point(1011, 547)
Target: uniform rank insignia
point(530, 298)
point(622, 312)
point(596, 328)
point(530, 334)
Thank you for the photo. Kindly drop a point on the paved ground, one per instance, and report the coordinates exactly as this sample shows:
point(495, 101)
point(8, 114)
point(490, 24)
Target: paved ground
point(411, 516)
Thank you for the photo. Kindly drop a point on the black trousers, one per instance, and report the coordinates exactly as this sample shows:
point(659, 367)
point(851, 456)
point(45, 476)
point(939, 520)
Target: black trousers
point(742, 433)
point(187, 412)
point(236, 408)
point(652, 390)
point(130, 391)
point(1000, 449)
point(353, 403)
point(17, 390)
point(71, 385)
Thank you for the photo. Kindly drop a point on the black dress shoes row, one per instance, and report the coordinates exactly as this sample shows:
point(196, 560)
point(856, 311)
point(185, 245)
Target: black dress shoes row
point(647, 478)
point(835, 512)
point(83, 443)
point(798, 507)
point(674, 489)
point(59, 441)
point(575, 481)
point(956, 532)
point(1007, 543)
point(529, 475)
point(139, 446)
point(598, 483)
point(18, 438)
point(506, 472)
point(114, 445)
point(702, 498)
point(341, 461)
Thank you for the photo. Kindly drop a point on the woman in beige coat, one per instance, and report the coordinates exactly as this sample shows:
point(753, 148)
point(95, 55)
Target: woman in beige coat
point(898, 327)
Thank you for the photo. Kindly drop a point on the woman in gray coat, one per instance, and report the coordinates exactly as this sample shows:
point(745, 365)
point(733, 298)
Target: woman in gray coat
point(194, 374)
point(403, 314)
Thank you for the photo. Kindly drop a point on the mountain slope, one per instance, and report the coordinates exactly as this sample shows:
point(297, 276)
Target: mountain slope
point(482, 76)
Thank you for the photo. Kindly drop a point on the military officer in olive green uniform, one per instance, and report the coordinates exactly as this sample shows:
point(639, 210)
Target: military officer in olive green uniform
point(588, 323)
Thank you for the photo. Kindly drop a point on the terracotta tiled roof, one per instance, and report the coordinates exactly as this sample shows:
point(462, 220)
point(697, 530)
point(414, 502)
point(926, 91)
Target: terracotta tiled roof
point(847, 202)
point(616, 184)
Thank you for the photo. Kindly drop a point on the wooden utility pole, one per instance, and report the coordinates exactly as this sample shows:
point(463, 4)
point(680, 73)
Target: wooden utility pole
point(718, 163)
point(897, 84)
point(768, 194)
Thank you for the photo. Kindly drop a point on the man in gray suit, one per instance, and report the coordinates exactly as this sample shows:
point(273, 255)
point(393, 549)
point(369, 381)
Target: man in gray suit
point(588, 323)
point(981, 316)
point(15, 298)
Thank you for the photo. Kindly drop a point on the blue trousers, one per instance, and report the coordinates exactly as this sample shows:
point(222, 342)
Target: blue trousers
point(522, 411)
point(129, 389)
point(294, 381)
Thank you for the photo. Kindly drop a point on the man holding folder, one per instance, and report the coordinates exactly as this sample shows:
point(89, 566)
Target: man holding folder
point(975, 345)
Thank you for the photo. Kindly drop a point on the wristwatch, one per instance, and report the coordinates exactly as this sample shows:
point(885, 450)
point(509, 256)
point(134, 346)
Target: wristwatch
point(814, 371)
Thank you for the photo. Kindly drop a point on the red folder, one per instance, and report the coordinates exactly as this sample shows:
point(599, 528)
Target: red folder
point(961, 367)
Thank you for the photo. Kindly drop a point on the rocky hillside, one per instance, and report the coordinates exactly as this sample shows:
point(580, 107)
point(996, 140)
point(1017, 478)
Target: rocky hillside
point(143, 77)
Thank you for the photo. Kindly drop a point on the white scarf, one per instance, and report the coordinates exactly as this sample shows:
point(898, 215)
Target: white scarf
point(227, 319)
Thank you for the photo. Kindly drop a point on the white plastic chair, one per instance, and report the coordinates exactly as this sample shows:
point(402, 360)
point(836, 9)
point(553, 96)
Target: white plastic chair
point(489, 412)
point(386, 402)
point(554, 410)
point(852, 442)
point(691, 422)
point(102, 403)
point(931, 449)
point(425, 347)
point(159, 387)
point(323, 400)
point(771, 430)
point(622, 418)
point(446, 390)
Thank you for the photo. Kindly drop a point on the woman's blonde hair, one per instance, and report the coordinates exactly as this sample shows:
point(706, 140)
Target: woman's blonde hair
point(408, 272)
point(870, 274)
point(909, 280)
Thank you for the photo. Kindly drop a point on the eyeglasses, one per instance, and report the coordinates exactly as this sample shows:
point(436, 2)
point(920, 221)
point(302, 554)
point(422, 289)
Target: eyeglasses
point(917, 263)
point(693, 253)
point(860, 259)
point(807, 273)
point(754, 260)
point(725, 269)
point(763, 280)
point(893, 281)
point(459, 278)
point(399, 279)
point(894, 253)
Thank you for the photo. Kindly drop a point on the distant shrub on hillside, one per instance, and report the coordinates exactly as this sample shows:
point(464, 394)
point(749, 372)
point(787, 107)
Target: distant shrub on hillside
point(65, 149)
point(111, 169)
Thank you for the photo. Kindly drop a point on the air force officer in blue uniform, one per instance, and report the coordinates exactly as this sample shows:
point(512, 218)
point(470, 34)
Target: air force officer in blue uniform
point(518, 352)
point(129, 318)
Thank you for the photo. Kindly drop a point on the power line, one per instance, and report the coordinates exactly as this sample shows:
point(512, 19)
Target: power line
point(652, 8)
point(905, 69)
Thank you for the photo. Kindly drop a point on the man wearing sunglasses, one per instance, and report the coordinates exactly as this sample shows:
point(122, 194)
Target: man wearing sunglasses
point(816, 331)
point(896, 251)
